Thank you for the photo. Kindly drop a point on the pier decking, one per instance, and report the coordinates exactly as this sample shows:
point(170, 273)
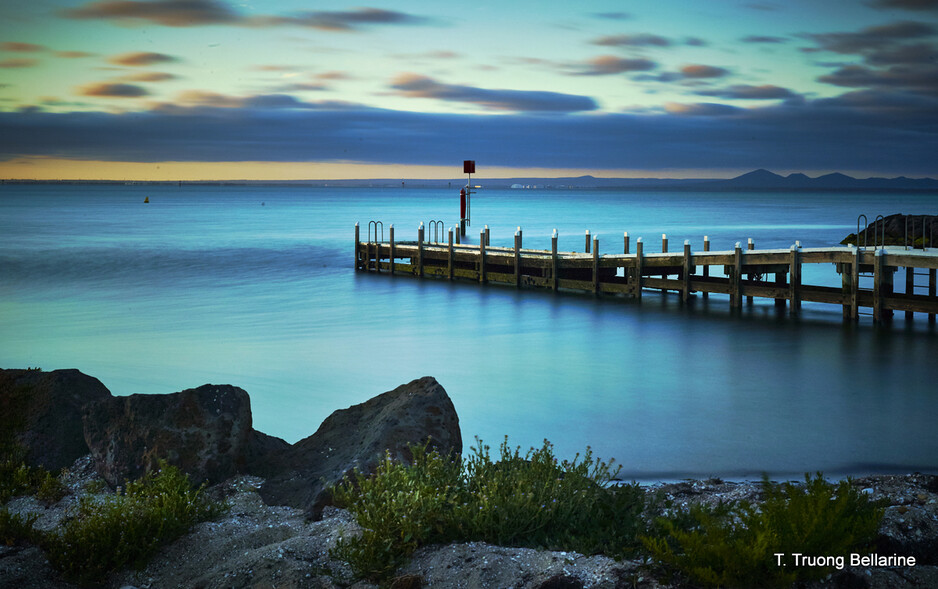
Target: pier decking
point(769, 273)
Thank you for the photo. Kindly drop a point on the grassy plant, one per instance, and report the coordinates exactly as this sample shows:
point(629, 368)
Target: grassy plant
point(531, 500)
point(735, 545)
point(16, 528)
point(113, 532)
point(16, 478)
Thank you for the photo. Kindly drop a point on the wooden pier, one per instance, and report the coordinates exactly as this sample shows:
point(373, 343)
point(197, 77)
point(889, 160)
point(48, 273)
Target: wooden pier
point(770, 273)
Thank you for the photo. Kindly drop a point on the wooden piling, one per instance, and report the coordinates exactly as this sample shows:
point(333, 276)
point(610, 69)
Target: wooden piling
point(637, 287)
point(685, 291)
point(932, 283)
point(736, 299)
point(596, 265)
point(878, 285)
point(482, 255)
point(391, 250)
point(518, 258)
point(794, 281)
point(420, 250)
point(909, 287)
point(855, 286)
point(706, 269)
point(749, 246)
point(664, 243)
point(449, 256)
point(625, 243)
point(586, 248)
point(555, 281)
point(357, 251)
point(488, 236)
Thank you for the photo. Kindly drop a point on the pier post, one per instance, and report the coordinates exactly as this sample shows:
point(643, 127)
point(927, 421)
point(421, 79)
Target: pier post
point(587, 246)
point(794, 280)
point(625, 244)
point(462, 231)
point(596, 264)
point(685, 294)
point(750, 246)
point(488, 236)
point(420, 250)
point(392, 250)
point(932, 282)
point(482, 255)
point(878, 286)
point(855, 285)
point(518, 258)
point(357, 253)
point(449, 259)
point(706, 268)
point(736, 298)
point(910, 286)
point(553, 261)
point(638, 269)
point(664, 243)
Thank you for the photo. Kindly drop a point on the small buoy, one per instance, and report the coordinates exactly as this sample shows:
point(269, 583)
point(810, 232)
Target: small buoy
point(147, 199)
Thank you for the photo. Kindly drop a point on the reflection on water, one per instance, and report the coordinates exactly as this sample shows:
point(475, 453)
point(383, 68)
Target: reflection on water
point(206, 285)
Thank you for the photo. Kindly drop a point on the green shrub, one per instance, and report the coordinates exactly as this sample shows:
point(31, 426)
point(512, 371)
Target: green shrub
point(735, 545)
point(17, 528)
point(113, 532)
point(16, 478)
point(529, 500)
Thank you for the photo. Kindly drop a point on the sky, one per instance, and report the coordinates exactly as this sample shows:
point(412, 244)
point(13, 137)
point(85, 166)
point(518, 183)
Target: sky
point(282, 89)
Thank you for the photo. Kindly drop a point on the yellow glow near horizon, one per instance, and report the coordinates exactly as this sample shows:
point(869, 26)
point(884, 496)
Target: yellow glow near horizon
point(67, 169)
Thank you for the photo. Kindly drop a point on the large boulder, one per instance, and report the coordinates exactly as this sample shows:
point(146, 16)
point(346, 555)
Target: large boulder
point(41, 412)
point(205, 432)
point(892, 230)
point(358, 438)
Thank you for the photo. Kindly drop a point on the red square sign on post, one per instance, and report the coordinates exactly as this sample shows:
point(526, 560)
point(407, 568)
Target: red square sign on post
point(469, 167)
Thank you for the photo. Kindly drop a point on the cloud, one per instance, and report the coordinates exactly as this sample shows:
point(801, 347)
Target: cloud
point(334, 75)
point(763, 39)
point(613, 15)
point(637, 40)
point(150, 77)
point(702, 109)
point(418, 86)
point(747, 92)
point(111, 89)
point(918, 5)
point(73, 54)
point(344, 21)
point(18, 63)
point(141, 58)
point(606, 65)
point(910, 79)
point(697, 71)
point(871, 38)
point(816, 135)
point(198, 101)
point(21, 47)
point(170, 13)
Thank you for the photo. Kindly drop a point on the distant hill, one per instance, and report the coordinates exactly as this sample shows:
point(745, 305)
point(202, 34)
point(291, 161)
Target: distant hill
point(766, 180)
point(755, 180)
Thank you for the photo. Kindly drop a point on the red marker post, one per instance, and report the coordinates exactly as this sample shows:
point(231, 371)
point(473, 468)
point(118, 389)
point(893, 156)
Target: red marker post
point(465, 200)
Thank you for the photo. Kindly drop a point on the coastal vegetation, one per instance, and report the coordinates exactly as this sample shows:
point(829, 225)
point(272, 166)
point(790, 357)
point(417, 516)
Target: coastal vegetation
point(536, 501)
point(104, 532)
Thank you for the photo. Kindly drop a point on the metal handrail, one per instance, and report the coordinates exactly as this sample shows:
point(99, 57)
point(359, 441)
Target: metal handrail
point(866, 224)
point(376, 225)
point(436, 226)
point(883, 231)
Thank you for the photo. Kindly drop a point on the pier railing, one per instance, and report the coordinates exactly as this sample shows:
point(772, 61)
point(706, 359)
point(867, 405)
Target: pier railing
point(768, 273)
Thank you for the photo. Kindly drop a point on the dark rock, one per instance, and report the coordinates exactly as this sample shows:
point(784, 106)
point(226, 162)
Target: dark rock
point(561, 582)
point(205, 432)
point(891, 230)
point(359, 436)
point(42, 411)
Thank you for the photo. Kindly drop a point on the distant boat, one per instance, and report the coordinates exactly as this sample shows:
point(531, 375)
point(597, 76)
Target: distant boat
point(147, 199)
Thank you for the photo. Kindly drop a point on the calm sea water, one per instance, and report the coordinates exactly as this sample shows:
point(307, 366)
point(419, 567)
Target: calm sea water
point(254, 286)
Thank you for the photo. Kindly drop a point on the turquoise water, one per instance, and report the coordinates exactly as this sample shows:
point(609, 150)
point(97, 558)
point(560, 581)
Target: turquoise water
point(254, 286)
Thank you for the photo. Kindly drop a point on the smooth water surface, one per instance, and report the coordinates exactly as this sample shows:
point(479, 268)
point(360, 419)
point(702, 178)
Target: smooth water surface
point(254, 286)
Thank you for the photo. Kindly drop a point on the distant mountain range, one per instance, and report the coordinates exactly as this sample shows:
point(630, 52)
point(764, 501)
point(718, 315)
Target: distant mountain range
point(755, 180)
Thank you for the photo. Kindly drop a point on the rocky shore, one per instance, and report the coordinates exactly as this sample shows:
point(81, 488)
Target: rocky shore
point(281, 523)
